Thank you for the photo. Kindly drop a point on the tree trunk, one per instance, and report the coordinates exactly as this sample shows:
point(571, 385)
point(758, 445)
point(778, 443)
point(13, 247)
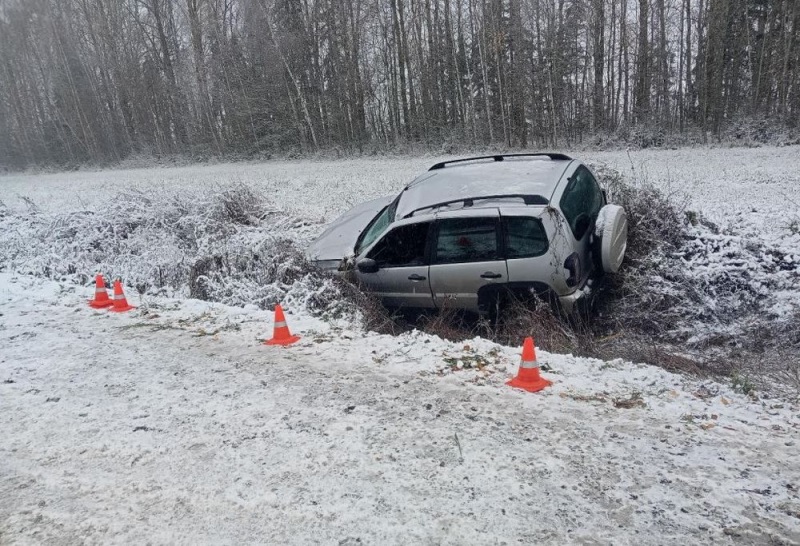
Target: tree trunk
point(599, 61)
point(642, 98)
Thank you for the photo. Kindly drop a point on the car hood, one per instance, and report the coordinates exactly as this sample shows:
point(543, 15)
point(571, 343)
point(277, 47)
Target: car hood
point(339, 239)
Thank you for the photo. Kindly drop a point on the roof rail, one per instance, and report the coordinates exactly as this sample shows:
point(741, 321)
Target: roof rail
point(500, 157)
point(529, 199)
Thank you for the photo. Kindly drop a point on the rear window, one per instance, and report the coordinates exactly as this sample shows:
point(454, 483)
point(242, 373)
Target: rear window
point(467, 240)
point(582, 199)
point(525, 237)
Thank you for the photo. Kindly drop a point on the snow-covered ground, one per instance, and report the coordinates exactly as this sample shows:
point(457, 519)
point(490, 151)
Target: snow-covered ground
point(748, 186)
point(174, 424)
point(751, 190)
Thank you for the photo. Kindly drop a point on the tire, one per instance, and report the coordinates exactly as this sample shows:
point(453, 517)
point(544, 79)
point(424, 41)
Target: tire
point(612, 231)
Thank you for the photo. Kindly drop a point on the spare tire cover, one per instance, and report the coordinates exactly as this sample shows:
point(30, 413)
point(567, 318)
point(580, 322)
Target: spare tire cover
point(612, 229)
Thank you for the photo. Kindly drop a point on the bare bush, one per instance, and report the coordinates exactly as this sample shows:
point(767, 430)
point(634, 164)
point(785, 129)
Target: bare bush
point(450, 323)
point(225, 245)
point(372, 314)
point(519, 320)
point(656, 220)
point(242, 205)
point(692, 296)
point(646, 295)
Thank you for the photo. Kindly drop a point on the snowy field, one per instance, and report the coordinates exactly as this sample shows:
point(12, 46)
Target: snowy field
point(174, 424)
point(749, 187)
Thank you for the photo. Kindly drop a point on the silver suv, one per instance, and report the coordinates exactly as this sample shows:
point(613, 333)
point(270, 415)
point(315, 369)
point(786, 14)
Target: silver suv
point(470, 232)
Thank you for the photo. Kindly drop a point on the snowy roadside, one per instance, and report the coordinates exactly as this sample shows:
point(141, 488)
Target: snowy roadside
point(174, 424)
point(725, 294)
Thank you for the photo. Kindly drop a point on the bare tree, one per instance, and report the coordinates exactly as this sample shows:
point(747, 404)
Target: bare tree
point(97, 80)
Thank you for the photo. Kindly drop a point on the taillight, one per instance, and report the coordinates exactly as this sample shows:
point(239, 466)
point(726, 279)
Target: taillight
point(573, 265)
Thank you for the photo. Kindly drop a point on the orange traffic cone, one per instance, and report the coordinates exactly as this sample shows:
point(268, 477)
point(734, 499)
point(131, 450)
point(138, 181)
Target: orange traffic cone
point(120, 303)
point(281, 334)
point(101, 298)
point(528, 377)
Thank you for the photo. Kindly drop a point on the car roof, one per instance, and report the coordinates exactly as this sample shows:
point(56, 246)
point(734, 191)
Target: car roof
point(528, 176)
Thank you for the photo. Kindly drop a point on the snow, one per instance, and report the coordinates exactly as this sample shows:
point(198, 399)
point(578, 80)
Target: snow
point(320, 190)
point(731, 260)
point(743, 186)
point(174, 424)
point(749, 189)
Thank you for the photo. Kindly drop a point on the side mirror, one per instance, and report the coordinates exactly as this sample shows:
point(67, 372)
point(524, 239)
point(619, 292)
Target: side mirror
point(367, 265)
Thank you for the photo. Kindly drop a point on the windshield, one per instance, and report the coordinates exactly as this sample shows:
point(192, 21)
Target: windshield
point(377, 226)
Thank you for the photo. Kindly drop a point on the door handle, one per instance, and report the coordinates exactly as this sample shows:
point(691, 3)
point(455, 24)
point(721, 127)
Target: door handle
point(416, 277)
point(491, 275)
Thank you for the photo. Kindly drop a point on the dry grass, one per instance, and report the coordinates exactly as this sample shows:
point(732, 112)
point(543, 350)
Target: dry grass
point(374, 316)
point(538, 320)
point(452, 324)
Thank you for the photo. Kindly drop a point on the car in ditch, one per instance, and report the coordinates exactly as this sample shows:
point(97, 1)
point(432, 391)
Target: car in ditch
point(472, 233)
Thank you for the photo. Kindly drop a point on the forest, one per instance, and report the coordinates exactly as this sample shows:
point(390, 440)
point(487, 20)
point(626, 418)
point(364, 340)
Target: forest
point(97, 81)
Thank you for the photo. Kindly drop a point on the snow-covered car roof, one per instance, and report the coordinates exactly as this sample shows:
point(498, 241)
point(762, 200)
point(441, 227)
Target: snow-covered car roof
point(514, 175)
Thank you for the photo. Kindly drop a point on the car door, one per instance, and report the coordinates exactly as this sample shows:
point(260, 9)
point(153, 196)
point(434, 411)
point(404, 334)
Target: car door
point(401, 279)
point(526, 250)
point(465, 257)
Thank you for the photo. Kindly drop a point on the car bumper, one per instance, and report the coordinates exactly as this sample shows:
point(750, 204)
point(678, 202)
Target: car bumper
point(570, 302)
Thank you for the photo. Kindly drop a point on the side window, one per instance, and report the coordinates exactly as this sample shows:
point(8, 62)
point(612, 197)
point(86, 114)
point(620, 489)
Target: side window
point(466, 240)
point(525, 237)
point(581, 201)
point(404, 246)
